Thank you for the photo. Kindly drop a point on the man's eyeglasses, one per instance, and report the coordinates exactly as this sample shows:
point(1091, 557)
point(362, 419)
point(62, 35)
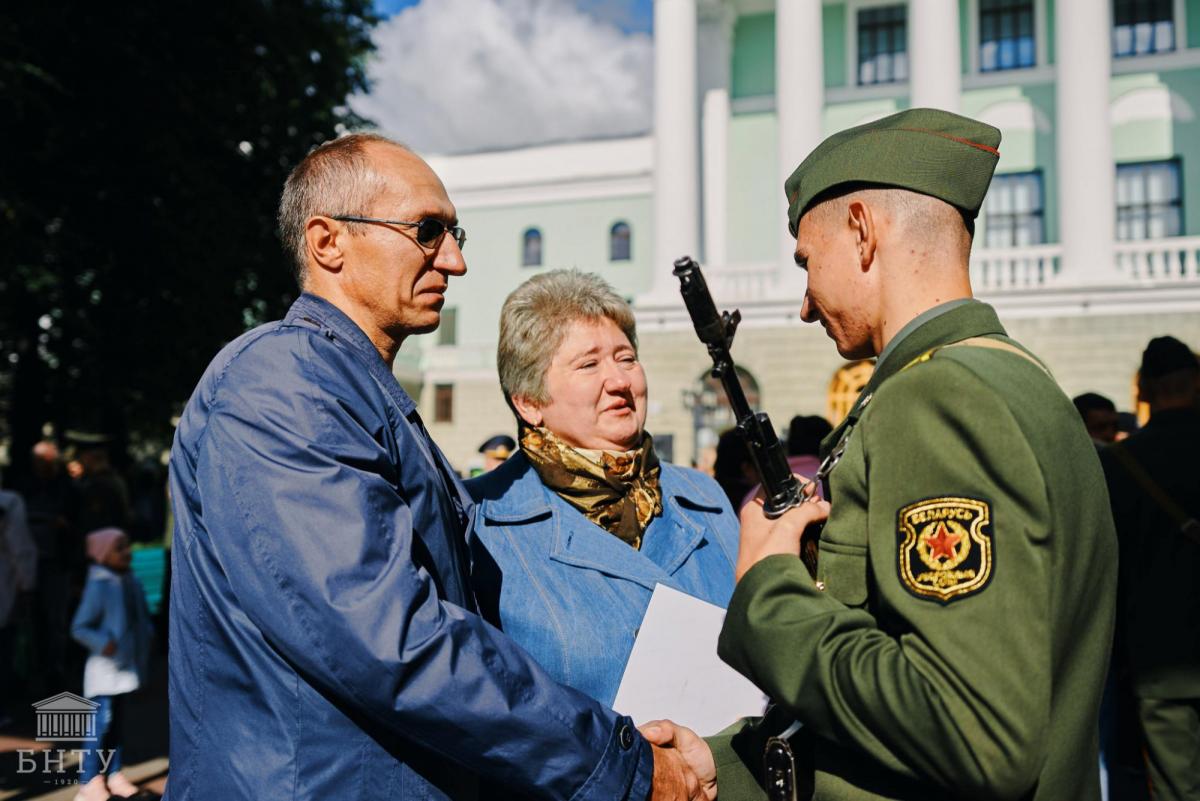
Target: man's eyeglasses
point(429, 230)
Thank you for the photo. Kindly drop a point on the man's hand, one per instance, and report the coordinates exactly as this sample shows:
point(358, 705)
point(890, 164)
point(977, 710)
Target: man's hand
point(762, 537)
point(694, 752)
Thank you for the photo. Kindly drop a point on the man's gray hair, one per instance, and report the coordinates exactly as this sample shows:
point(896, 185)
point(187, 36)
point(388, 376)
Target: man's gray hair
point(534, 321)
point(334, 179)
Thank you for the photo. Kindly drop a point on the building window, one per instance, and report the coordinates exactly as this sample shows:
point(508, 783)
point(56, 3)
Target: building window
point(1141, 27)
point(882, 45)
point(1013, 212)
point(1006, 40)
point(448, 327)
point(531, 248)
point(619, 242)
point(1149, 200)
point(443, 403)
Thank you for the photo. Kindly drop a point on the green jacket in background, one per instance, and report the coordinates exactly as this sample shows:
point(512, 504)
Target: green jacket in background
point(957, 641)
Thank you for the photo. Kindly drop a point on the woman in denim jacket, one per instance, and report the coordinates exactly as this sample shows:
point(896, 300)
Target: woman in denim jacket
point(573, 532)
point(113, 623)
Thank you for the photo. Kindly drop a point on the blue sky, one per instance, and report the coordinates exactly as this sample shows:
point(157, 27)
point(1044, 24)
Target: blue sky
point(631, 16)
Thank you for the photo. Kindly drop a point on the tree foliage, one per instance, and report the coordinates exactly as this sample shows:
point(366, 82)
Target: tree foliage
point(147, 145)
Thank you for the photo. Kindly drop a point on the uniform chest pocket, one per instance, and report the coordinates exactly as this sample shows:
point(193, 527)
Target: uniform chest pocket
point(843, 569)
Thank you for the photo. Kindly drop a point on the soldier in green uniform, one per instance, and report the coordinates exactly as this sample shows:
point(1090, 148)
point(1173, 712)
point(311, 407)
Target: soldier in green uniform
point(1154, 481)
point(955, 640)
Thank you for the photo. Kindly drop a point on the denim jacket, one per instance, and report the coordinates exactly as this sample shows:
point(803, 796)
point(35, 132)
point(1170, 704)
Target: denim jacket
point(113, 609)
point(324, 640)
point(572, 593)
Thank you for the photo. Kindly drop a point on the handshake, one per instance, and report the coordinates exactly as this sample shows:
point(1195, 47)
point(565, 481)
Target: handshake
point(683, 764)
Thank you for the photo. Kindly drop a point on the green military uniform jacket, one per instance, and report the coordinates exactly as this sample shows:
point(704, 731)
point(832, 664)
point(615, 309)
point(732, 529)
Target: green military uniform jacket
point(956, 643)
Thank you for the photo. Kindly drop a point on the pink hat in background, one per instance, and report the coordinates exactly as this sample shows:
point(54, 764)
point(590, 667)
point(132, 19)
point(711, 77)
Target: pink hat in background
point(102, 542)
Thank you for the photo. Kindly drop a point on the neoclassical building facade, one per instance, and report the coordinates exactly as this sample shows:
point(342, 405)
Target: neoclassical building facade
point(1087, 245)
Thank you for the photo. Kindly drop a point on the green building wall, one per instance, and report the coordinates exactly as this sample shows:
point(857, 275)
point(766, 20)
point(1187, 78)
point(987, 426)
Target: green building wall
point(753, 142)
point(575, 234)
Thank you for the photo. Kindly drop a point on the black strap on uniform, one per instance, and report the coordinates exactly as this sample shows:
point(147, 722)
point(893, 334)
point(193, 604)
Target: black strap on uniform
point(1188, 526)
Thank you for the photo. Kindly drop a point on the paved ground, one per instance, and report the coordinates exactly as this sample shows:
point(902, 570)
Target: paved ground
point(145, 752)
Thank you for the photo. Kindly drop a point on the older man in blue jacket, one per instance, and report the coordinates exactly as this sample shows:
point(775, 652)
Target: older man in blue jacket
point(324, 640)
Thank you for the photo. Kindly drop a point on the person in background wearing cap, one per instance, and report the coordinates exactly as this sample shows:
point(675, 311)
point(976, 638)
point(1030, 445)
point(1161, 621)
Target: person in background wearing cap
point(496, 450)
point(1154, 485)
point(113, 624)
point(954, 641)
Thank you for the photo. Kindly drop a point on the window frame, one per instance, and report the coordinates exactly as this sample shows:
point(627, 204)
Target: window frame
point(1003, 77)
point(1010, 6)
point(1178, 34)
point(1177, 163)
point(612, 235)
point(1040, 214)
point(889, 89)
point(856, 34)
point(439, 399)
point(541, 240)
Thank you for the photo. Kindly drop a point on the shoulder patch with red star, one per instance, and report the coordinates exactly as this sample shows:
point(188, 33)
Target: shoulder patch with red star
point(945, 547)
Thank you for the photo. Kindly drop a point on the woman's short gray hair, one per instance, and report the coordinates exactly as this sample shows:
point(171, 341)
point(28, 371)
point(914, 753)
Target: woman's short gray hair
point(535, 318)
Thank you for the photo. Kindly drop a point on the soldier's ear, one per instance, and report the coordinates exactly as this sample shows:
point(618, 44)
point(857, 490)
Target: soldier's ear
point(862, 223)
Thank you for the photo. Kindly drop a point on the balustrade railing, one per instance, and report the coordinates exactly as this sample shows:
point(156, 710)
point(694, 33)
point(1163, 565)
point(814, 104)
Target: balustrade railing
point(999, 269)
point(1159, 260)
point(736, 283)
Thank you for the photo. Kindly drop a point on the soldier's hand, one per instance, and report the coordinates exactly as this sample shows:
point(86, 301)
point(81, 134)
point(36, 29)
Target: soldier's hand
point(762, 537)
point(691, 747)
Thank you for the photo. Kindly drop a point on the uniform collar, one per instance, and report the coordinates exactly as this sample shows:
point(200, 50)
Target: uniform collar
point(513, 494)
point(317, 312)
point(962, 321)
point(917, 322)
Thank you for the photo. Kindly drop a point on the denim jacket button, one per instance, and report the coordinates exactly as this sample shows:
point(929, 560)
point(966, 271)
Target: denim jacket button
point(626, 737)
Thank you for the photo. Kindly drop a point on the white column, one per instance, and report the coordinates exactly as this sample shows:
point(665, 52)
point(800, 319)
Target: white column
point(676, 141)
point(716, 176)
point(1086, 207)
point(934, 54)
point(799, 101)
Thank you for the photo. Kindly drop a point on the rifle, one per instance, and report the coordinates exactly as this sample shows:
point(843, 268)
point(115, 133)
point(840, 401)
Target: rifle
point(716, 331)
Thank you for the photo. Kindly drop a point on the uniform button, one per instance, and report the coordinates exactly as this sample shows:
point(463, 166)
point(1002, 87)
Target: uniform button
point(820, 586)
point(626, 737)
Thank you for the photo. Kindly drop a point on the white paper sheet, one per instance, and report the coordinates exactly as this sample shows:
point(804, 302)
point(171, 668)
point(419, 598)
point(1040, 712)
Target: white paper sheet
point(674, 671)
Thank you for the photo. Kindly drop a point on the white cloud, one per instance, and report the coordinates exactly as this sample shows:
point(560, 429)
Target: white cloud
point(460, 75)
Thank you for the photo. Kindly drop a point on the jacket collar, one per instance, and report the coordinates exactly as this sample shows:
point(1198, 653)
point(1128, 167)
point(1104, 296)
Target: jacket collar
point(335, 325)
point(514, 494)
point(971, 319)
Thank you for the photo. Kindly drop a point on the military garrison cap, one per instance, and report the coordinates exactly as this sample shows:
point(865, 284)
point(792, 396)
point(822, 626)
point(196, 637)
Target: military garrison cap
point(923, 149)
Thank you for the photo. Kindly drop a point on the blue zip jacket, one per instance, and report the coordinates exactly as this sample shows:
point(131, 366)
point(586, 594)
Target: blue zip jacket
point(324, 640)
point(573, 594)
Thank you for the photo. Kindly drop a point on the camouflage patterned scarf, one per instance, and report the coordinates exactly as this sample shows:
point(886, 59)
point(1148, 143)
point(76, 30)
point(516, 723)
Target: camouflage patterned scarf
point(616, 490)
